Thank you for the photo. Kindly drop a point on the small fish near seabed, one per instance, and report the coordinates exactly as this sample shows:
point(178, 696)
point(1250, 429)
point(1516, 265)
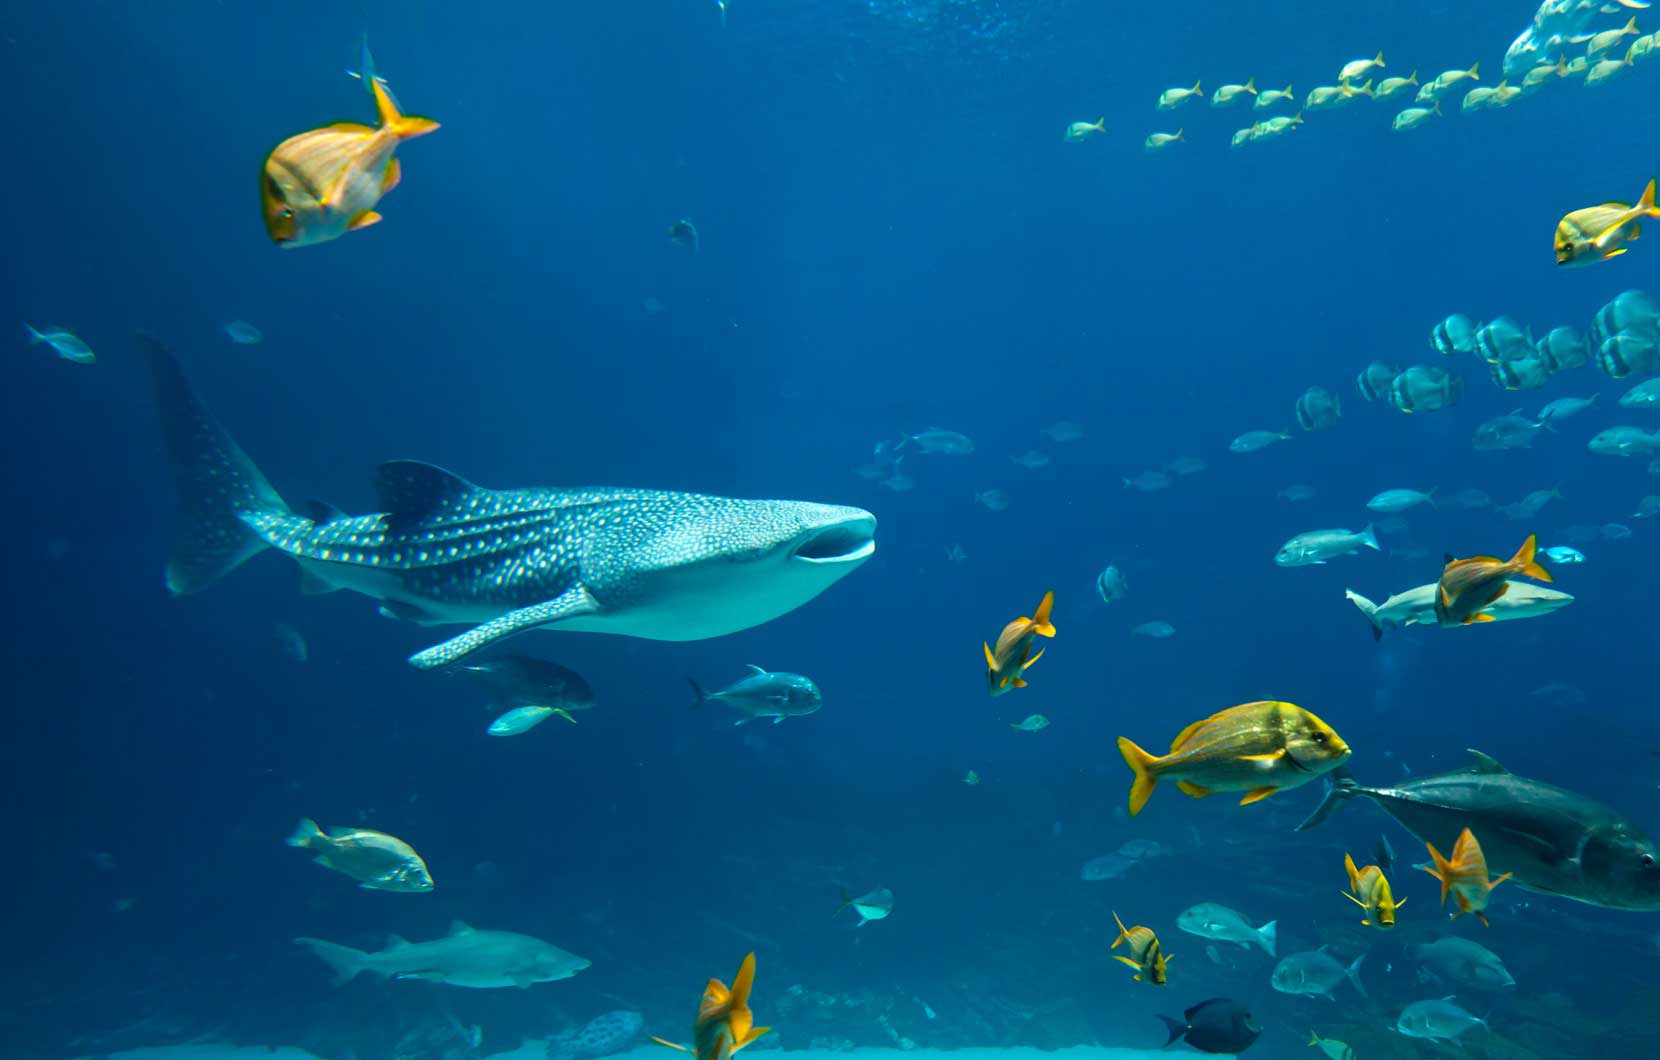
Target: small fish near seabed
point(1259, 748)
point(993, 500)
point(1466, 963)
point(1315, 973)
point(940, 441)
point(1220, 1025)
point(1597, 233)
point(1333, 1048)
point(971, 778)
point(724, 1021)
point(1146, 955)
point(1468, 586)
point(466, 957)
point(1314, 547)
point(1006, 664)
point(1464, 876)
point(654, 564)
point(1416, 606)
point(877, 905)
point(607, 1034)
point(319, 185)
point(1209, 920)
point(63, 342)
point(1550, 841)
point(377, 861)
point(1369, 889)
point(762, 695)
point(1442, 1020)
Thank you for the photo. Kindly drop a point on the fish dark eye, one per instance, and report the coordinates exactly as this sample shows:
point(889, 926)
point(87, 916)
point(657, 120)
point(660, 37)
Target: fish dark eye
point(1648, 861)
point(1319, 737)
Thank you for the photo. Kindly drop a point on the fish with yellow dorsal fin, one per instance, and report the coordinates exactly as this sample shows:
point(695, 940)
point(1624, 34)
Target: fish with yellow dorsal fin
point(1598, 233)
point(724, 1022)
point(1468, 586)
point(321, 184)
point(1464, 876)
point(1009, 660)
point(1369, 889)
point(1147, 956)
point(1258, 748)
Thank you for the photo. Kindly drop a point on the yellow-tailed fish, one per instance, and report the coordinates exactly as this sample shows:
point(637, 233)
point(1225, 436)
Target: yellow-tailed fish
point(1270, 96)
point(321, 184)
point(1008, 661)
point(1147, 956)
point(1391, 86)
point(1159, 141)
point(1369, 889)
point(1468, 586)
point(1079, 131)
point(1171, 98)
point(1258, 748)
point(724, 1023)
point(1352, 70)
point(1597, 233)
point(1464, 876)
point(1225, 95)
point(1608, 38)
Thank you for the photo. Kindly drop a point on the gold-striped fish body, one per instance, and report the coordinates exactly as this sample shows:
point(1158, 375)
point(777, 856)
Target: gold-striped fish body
point(1369, 889)
point(1147, 956)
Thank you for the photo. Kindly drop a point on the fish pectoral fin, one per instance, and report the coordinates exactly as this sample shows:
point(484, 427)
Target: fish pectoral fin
point(1271, 756)
point(1128, 961)
point(1034, 659)
point(1256, 795)
point(991, 660)
point(312, 585)
point(1197, 791)
point(1353, 899)
point(671, 1045)
point(363, 220)
point(1020, 682)
point(563, 713)
point(390, 179)
point(570, 604)
point(1479, 616)
point(1615, 253)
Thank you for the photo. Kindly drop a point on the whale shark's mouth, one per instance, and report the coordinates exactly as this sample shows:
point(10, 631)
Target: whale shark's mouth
point(846, 542)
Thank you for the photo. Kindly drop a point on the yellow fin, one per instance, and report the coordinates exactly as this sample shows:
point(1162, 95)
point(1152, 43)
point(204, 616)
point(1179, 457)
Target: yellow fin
point(393, 174)
point(1479, 616)
point(1019, 682)
point(1354, 873)
point(1187, 733)
point(1187, 787)
point(1353, 899)
point(1140, 763)
point(1132, 964)
point(1524, 561)
point(363, 220)
point(991, 660)
point(349, 127)
point(403, 126)
point(1034, 659)
point(1123, 932)
point(1271, 756)
point(1040, 618)
point(1256, 795)
point(671, 1045)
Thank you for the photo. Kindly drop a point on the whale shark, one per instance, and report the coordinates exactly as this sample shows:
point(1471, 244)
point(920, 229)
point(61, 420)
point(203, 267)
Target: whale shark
point(643, 563)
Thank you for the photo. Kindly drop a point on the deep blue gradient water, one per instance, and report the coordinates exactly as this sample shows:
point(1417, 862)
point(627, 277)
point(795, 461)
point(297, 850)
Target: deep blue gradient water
point(894, 236)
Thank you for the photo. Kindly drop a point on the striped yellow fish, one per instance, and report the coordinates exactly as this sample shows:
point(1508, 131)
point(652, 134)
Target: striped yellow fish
point(321, 184)
point(724, 1022)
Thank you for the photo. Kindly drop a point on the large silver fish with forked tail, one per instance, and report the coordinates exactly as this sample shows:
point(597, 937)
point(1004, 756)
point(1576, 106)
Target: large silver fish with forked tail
point(640, 563)
point(1552, 841)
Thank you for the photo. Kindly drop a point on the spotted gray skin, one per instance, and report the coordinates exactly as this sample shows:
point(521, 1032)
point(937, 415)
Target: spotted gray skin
point(642, 563)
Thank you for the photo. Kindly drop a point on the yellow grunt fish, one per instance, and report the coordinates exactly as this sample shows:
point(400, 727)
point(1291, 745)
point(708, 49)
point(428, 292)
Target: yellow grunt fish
point(1468, 586)
point(1147, 956)
point(1369, 889)
point(1258, 748)
point(1008, 661)
point(1598, 233)
point(1464, 876)
point(321, 184)
point(724, 1022)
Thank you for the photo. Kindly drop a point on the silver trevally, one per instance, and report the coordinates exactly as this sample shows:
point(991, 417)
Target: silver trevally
point(523, 719)
point(1645, 395)
point(465, 957)
point(1510, 431)
point(377, 861)
point(1444, 1019)
point(1315, 973)
point(877, 905)
point(765, 695)
point(64, 343)
point(1211, 921)
point(1251, 441)
point(641, 563)
point(1562, 408)
point(1465, 962)
point(1400, 500)
point(1625, 441)
point(1416, 607)
point(937, 440)
point(1318, 546)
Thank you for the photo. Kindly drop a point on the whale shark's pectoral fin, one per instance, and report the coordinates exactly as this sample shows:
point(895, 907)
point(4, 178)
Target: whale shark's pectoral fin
point(573, 602)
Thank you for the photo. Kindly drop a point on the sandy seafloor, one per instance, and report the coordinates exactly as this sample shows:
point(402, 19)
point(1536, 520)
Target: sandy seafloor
point(534, 1050)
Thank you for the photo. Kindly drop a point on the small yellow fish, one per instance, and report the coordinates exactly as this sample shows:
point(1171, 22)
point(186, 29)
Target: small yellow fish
point(724, 1022)
point(1504, 94)
point(1599, 73)
point(1258, 748)
point(1391, 86)
point(1369, 889)
point(1012, 656)
point(1352, 70)
point(1159, 141)
point(1270, 96)
point(1607, 39)
point(1171, 98)
point(321, 184)
point(1079, 131)
point(1465, 876)
point(1228, 93)
point(1468, 586)
point(1147, 957)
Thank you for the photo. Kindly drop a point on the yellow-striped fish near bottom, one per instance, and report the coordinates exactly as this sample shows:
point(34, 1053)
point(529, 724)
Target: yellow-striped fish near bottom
point(1147, 956)
point(321, 184)
point(1369, 889)
point(1258, 748)
point(724, 1023)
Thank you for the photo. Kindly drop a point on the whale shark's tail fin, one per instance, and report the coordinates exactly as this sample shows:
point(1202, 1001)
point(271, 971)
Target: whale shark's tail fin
point(1340, 788)
point(216, 481)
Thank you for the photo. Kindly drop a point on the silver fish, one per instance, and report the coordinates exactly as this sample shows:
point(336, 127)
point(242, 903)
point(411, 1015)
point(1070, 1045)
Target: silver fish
point(641, 563)
point(1211, 921)
point(465, 957)
point(765, 695)
point(1315, 973)
point(1317, 546)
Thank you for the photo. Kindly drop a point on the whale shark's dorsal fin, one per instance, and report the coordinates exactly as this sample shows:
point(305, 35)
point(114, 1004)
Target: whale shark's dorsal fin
point(409, 490)
point(1484, 763)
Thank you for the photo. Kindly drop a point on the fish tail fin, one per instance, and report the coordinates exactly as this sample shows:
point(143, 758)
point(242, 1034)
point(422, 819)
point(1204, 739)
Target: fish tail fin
point(700, 697)
point(1251, 86)
point(1413, 79)
point(1437, 108)
point(1644, 204)
point(1353, 972)
point(36, 337)
point(846, 901)
point(1140, 763)
point(742, 983)
point(345, 961)
point(1524, 561)
point(1378, 62)
point(1430, 497)
point(216, 482)
point(1354, 873)
point(1369, 538)
point(1180, 129)
point(1367, 608)
point(1475, 71)
point(1268, 936)
point(1498, 881)
point(404, 126)
point(1123, 932)
point(305, 833)
point(1101, 123)
point(1313, 1039)
point(1176, 1027)
point(1040, 617)
point(1442, 870)
point(1196, 86)
point(1340, 788)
